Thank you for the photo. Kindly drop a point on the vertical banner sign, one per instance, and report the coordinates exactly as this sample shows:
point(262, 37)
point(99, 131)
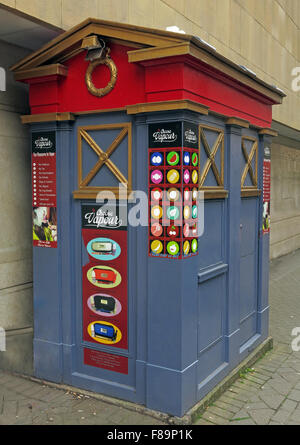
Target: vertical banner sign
point(104, 284)
point(266, 190)
point(173, 189)
point(43, 173)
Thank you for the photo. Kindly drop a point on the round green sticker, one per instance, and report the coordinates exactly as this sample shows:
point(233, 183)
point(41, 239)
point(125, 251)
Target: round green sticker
point(173, 248)
point(194, 159)
point(173, 158)
point(194, 246)
point(172, 212)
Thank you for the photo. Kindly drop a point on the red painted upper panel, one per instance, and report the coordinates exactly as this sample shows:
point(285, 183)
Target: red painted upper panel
point(71, 94)
point(171, 78)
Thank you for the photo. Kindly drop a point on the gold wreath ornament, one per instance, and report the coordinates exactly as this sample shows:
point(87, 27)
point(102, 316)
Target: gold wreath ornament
point(99, 92)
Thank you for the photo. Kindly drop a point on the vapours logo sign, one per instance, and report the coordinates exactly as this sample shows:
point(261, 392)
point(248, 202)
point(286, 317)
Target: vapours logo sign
point(190, 136)
point(101, 217)
point(164, 136)
point(43, 143)
point(2, 79)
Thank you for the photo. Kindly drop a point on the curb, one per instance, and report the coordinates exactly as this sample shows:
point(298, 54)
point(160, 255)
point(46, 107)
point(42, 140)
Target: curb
point(191, 416)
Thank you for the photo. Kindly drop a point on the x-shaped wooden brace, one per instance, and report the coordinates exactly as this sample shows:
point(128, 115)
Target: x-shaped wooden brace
point(210, 163)
point(104, 157)
point(248, 166)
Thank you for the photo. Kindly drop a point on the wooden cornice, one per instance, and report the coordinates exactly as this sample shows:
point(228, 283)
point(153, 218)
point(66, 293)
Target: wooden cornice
point(268, 132)
point(237, 121)
point(169, 105)
point(114, 30)
point(42, 71)
point(47, 117)
point(211, 59)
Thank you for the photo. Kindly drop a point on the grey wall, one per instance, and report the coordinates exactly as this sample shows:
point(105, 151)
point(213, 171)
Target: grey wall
point(15, 220)
point(285, 200)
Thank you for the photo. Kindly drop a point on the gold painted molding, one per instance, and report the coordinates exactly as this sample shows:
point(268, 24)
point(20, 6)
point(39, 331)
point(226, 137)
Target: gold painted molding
point(214, 193)
point(269, 132)
point(250, 192)
point(47, 117)
point(238, 122)
point(42, 71)
point(169, 105)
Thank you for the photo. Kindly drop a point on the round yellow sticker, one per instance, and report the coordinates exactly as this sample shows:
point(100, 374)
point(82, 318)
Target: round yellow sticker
point(195, 176)
point(173, 176)
point(156, 246)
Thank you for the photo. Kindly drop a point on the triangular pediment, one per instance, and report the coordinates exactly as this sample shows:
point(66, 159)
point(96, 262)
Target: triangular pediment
point(68, 44)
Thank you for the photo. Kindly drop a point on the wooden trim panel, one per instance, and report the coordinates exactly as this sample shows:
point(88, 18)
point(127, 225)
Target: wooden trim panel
point(247, 192)
point(152, 107)
point(238, 122)
point(47, 117)
point(42, 71)
point(211, 152)
point(268, 131)
point(214, 193)
point(248, 160)
point(84, 190)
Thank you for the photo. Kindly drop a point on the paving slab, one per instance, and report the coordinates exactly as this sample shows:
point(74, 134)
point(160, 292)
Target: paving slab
point(269, 394)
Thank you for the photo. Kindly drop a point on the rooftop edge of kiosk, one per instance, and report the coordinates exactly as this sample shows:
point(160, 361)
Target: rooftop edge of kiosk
point(150, 70)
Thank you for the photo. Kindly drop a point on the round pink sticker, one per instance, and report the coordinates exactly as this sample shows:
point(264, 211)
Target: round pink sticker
point(186, 176)
point(156, 176)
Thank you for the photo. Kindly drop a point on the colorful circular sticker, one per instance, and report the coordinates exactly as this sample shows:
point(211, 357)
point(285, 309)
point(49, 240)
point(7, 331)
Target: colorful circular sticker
point(186, 194)
point(157, 158)
point(104, 304)
point(173, 231)
point(156, 246)
point(194, 245)
point(156, 194)
point(156, 212)
point(194, 212)
point(156, 229)
point(195, 159)
point(156, 176)
point(104, 332)
point(186, 158)
point(173, 176)
point(173, 212)
point(194, 230)
point(195, 194)
point(186, 212)
point(186, 176)
point(173, 248)
point(173, 158)
point(186, 247)
point(195, 176)
point(104, 276)
point(173, 194)
point(186, 230)
point(103, 249)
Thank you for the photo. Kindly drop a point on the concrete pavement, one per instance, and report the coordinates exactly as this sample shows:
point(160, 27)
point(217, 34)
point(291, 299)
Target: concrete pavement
point(268, 393)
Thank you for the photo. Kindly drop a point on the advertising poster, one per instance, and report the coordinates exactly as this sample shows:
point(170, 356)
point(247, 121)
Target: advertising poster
point(173, 189)
point(43, 173)
point(104, 281)
point(266, 191)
